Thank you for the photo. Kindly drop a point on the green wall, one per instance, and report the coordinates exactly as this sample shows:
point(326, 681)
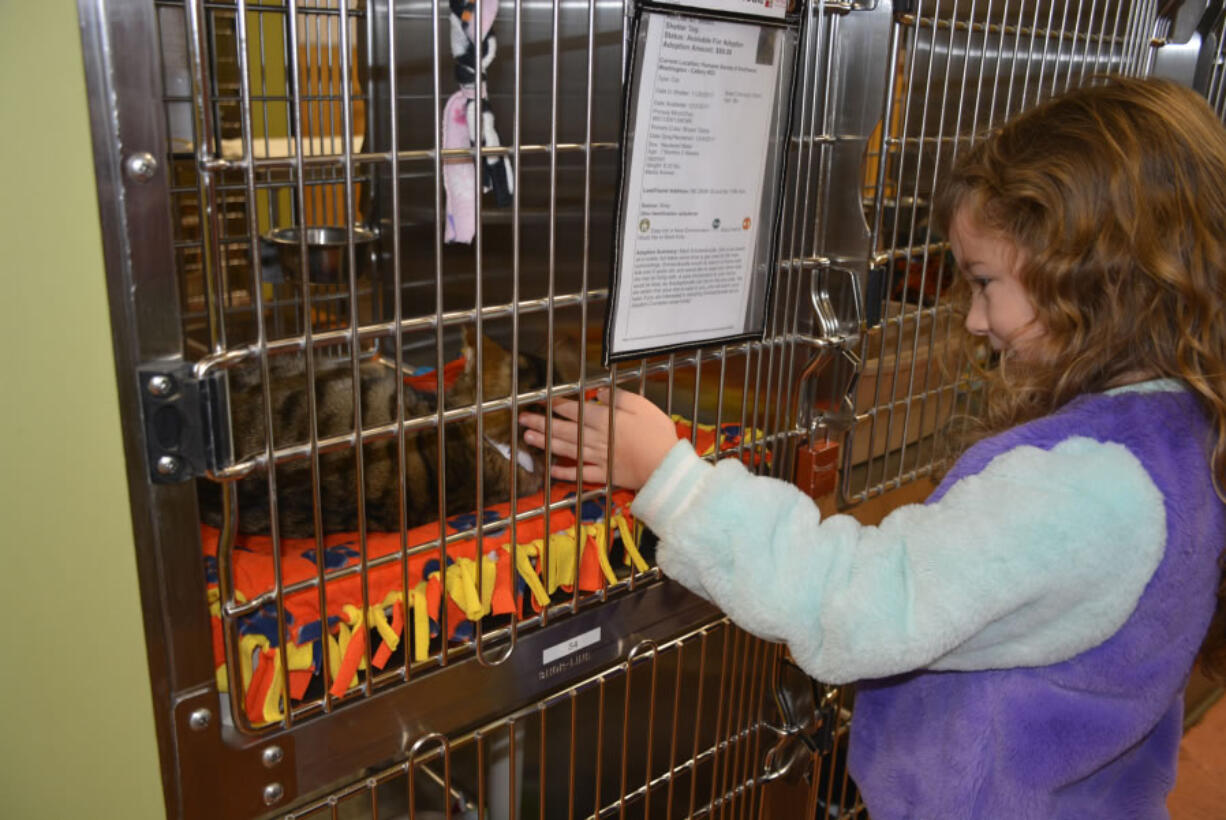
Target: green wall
point(78, 736)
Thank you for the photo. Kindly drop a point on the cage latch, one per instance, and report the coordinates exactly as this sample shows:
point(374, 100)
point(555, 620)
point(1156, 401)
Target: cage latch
point(182, 414)
point(808, 719)
point(794, 753)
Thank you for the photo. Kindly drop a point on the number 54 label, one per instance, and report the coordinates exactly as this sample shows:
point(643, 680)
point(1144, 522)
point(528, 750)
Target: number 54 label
point(561, 650)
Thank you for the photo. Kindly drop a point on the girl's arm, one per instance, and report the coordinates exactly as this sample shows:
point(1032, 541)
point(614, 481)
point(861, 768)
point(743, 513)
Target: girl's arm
point(1039, 557)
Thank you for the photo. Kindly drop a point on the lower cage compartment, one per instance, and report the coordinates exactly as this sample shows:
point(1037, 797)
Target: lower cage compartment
point(239, 774)
point(679, 728)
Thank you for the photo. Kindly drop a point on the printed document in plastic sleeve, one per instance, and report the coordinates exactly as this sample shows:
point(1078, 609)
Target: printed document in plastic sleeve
point(694, 189)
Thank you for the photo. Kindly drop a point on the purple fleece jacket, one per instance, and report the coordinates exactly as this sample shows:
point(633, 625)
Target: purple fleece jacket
point(1093, 736)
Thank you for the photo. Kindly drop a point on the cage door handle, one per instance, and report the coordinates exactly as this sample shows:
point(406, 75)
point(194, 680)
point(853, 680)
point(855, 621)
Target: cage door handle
point(824, 293)
point(838, 413)
point(801, 736)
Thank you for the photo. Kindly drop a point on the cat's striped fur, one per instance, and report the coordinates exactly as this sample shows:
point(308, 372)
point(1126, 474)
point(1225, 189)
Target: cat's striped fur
point(338, 469)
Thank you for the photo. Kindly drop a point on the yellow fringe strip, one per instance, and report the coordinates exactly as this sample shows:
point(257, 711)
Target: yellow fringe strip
point(461, 585)
point(523, 564)
point(563, 562)
point(377, 615)
point(595, 535)
point(632, 552)
point(421, 622)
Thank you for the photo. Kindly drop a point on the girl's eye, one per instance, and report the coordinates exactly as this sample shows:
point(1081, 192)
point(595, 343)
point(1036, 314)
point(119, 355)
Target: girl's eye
point(980, 282)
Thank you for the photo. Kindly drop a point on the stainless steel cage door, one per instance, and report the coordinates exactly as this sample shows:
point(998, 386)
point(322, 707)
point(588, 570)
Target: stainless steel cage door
point(227, 133)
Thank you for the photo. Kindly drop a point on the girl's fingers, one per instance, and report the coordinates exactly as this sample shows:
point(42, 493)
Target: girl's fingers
point(623, 399)
point(591, 455)
point(570, 409)
point(565, 408)
point(595, 415)
point(565, 473)
point(559, 428)
point(565, 440)
point(564, 424)
point(533, 421)
point(561, 444)
point(591, 473)
point(595, 453)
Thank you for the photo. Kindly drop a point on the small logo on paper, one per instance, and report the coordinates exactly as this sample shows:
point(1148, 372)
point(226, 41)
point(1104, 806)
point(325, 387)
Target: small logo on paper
point(746, 223)
point(715, 223)
point(644, 225)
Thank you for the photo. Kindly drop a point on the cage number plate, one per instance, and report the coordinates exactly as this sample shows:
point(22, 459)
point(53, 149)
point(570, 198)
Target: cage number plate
point(561, 650)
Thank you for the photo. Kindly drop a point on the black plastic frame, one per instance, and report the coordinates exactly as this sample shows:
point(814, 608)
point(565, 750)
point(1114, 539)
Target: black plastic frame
point(792, 21)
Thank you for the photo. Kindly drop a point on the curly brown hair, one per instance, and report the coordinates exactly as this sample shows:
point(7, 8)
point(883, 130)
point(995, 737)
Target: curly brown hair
point(1116, 195)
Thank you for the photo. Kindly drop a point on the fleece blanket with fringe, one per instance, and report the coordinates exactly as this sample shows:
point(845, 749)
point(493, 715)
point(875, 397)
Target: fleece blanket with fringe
point(422, 597)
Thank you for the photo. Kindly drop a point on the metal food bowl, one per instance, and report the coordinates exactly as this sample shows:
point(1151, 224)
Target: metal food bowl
point(327, 253)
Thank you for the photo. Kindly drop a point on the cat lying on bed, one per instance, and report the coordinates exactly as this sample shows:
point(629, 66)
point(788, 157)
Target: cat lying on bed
point(337, 469)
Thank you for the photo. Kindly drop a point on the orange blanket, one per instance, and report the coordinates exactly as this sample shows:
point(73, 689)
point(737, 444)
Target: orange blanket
point(451, 589)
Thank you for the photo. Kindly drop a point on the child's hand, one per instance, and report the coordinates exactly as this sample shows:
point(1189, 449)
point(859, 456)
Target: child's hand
point(642, 438)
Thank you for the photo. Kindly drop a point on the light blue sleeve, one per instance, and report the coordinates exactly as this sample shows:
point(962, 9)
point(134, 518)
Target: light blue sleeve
point(1042, 555)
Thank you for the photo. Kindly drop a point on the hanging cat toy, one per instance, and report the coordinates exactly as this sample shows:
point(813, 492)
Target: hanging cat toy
point(468, 41)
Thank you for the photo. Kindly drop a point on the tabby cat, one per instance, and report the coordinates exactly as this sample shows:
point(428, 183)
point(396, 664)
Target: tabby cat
point(338, 469)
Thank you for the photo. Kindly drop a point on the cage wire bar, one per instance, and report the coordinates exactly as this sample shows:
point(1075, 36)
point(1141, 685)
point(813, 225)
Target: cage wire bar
point(1216, 84)
point(278, 117)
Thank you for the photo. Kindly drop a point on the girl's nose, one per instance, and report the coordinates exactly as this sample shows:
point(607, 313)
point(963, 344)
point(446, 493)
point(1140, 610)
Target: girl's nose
point(977, 319)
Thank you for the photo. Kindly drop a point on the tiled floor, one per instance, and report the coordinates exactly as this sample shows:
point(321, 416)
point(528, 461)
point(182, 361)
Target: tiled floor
point(1200, 786)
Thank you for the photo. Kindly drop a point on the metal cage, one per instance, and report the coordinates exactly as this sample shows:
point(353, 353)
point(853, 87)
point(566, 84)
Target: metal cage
point(225, 132)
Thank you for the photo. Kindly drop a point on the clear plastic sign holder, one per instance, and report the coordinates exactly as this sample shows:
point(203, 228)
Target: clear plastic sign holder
point(706, 120)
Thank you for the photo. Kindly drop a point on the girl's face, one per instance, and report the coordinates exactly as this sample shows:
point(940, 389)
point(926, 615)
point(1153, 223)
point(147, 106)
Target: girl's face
point(1000, 307)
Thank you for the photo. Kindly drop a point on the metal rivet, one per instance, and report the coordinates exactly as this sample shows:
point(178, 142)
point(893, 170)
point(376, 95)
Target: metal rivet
point(200, 719)
point(272, 756)
point(141, 167)
point(160, 385)
point(167, 465)
point(273, 793)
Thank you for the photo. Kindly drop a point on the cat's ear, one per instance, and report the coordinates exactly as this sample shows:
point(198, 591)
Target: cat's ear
point(494, 356)
point(470, 349)
point(567, 353)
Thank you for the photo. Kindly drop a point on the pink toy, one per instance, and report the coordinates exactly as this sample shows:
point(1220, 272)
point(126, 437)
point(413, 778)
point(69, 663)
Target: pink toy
point(460, 129)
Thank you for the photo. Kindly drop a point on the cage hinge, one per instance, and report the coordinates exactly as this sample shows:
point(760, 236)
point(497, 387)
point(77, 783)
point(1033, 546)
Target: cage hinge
point(184, 433)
